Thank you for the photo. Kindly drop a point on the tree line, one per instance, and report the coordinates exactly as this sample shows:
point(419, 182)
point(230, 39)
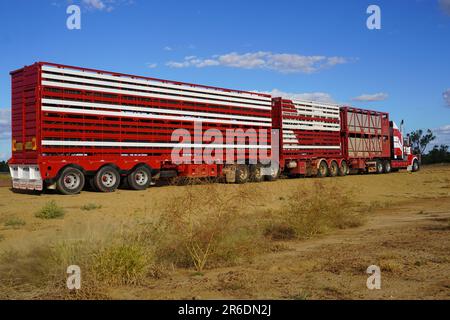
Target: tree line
point(420, 140)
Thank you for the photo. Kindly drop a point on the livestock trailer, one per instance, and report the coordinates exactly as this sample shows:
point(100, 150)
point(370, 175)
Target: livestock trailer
point(310, 137)
point(73, 125)
point(373, 143)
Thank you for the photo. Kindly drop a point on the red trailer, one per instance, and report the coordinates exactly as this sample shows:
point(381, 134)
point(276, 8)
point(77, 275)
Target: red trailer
point(71, 125)
point(310, 138)
point(74, 125)
point(372, 143)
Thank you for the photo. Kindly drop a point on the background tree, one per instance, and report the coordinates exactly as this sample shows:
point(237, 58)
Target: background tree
point(439, 154)
point(421, 140)
point(3, 166)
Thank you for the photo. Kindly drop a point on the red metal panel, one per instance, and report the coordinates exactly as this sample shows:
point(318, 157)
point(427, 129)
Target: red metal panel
point(105, 121)
point(25, 114)
point(365, 133)
point(320, 140)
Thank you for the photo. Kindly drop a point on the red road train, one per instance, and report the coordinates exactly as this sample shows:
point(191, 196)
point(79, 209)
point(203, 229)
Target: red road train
point(74, 126)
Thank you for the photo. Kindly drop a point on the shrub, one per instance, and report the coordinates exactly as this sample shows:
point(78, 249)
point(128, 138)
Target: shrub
point(204, 227)
point(14, 222)
point(90, 206)
point(50, 211)
point(312, 211)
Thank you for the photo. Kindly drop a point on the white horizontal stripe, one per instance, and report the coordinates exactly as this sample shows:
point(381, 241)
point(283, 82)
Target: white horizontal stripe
point(310, 147)
point(149, 144)
point(216, 98)
point(144, 94)
point(157, 110)
point(290, 141)
point(151, 116)
point(306, 127)
point(161, 83)
point(317, 104)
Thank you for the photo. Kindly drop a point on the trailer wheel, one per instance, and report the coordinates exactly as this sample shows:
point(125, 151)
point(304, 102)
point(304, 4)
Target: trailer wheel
point(70, 181)
point(322, 170)
point(140, 178)
point(379, 167)
point(107, 179)
point(92, 184)
point(387, 166)
point(334, 169)
point(242, 174)
point(256, 173)
point(343, 169)
point(415, 166)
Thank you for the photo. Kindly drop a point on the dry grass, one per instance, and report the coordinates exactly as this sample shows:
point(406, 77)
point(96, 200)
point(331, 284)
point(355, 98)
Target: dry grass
point(14, 222)
point(50, 211)
point(308, 212)
point(90, 206)
point(204, 228)
point(200, 228)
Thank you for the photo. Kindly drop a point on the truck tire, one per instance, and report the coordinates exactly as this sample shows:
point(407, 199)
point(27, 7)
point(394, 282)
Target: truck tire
point(334, 169)
point(70, 181)
point(140, 178)
point(379, 167)
point(343, 169)
point(387, 166)
point(107, 179)
point(415, 166)
point(322, 171)
point(92, 184)
point(256, 173)
point(242, 174)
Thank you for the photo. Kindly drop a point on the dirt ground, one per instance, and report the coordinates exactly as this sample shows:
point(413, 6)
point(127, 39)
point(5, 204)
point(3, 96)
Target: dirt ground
point(407, 234)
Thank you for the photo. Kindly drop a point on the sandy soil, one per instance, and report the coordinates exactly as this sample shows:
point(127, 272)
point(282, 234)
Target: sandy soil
point(407, 235)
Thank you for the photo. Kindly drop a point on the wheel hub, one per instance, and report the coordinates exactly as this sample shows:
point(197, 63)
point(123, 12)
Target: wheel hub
point(108, 179)
point(71, 181)
point(141, 178)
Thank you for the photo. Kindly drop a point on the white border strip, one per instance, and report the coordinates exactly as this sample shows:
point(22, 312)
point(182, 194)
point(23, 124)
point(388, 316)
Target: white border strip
point(310, 147)
point(149, 144)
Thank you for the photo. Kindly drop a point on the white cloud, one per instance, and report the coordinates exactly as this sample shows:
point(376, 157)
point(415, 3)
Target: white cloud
point(5, 124)
point(442, 135)
point(105, 5)
point(371, 97)
point(307, 96)
point(446, 96)
point(95, 4)
point(152, 65)
point(281, 62)
point(445, 6)
point(167, 48)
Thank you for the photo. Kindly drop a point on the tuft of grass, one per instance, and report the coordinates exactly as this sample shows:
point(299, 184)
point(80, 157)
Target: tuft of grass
point(391, 266)
point(236, 280)
point(50, 211)
point(14, 222)
point(122, 264)
point(40, 271)
point(203, 228)
point(301, 295)
point(312, 211)
point(90, 206)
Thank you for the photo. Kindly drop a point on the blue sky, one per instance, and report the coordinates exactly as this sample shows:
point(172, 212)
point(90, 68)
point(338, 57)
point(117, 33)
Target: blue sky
point(308, 49)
